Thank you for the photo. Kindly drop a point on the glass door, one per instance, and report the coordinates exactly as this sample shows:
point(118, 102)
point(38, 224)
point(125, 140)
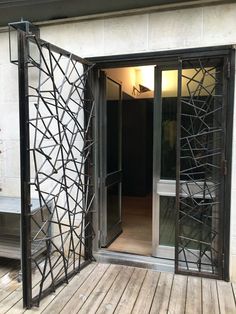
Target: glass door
point(164, 161)
point(111, 163)
point(189, 159)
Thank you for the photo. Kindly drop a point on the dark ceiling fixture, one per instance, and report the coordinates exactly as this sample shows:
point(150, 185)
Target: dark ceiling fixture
point(142, 89)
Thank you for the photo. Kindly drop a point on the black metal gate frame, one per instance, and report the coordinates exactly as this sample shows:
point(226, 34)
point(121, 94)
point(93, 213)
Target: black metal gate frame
point(79, 254)
point(198, 156)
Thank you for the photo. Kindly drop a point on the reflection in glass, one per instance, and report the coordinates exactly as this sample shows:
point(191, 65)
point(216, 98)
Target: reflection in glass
point(199, 94)
point(168, 139)
point(167, 221)
point(168, 129)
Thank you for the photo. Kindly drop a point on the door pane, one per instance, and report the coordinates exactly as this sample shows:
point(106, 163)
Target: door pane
point(111, 217)
point(168, 139)
point(113, 108)
point(168, 130)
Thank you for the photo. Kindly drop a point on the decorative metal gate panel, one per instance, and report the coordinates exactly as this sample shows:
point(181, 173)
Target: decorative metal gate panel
point(56, 117)
point(200, 167)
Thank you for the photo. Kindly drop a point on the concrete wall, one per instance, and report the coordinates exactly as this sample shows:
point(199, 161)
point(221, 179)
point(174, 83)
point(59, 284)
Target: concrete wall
point(9, 126)
point(187, 28)
point(197, 27)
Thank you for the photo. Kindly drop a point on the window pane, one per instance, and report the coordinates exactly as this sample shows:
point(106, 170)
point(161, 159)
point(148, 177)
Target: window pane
point(168, 132)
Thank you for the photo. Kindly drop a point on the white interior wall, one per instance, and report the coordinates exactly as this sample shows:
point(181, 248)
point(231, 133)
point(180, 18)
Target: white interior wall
point(131, 77)
point(176, 29)
point(124, 76)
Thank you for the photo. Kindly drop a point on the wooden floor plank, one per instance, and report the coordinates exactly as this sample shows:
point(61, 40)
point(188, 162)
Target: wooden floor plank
point(8, 268)
point(194, 296)
point(178, 295)
point(9, 281)
point(3, 271)
point(146, 294)
point(57, 270)
point(104, 288)
point(10, 301)
point(84, 291)
point(17, 307)
point(66, 294)
point(226, 298)
point(98, 294)
point(13, 304)
point(45, 302)
point(161, 298)
point(131, 292)
point(210, 303)
point(234, 290)
point(112, 298)
point(8, 286)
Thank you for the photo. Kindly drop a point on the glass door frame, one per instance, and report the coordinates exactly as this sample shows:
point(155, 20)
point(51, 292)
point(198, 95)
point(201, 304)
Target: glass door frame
point(107, 180)
point(161, 187)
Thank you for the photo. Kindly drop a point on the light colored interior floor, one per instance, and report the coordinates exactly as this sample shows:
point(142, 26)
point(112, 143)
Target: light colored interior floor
point(136, 237)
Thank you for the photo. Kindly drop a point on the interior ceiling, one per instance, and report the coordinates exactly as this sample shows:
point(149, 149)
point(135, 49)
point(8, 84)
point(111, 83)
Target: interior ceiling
point(43, 10)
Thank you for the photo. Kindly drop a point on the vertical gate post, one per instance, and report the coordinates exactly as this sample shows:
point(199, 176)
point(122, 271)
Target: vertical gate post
point(24, 168)
point(88, 164)
point(178, 146)
point(22, 30)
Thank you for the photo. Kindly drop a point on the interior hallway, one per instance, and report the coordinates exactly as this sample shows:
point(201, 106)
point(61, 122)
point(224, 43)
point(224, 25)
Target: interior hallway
point(136, 237)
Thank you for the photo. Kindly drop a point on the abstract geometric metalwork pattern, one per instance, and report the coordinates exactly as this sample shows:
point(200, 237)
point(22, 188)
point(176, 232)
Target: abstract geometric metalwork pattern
point(61, 111)
point(200, 184)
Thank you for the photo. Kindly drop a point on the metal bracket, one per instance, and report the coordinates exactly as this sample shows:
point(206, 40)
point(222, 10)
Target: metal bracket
point(228, 70)
point(224, 167)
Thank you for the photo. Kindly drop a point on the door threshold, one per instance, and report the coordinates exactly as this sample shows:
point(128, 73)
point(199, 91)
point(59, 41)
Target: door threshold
point(148, 262)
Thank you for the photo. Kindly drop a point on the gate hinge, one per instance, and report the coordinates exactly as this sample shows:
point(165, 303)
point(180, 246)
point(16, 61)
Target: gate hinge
point(99, 238)
point(224, 167)
point(223, 261)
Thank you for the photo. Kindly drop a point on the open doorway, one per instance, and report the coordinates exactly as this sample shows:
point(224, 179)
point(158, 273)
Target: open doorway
point(136, 114)
point(139, 136)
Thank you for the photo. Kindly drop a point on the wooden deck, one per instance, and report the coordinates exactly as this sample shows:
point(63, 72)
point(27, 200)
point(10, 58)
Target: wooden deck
point(106, 288)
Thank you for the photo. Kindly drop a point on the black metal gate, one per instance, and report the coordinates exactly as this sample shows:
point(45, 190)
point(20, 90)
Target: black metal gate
point(56, 142)
point(201, 166)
